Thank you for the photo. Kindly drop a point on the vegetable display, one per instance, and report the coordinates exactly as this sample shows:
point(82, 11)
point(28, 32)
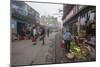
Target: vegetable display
point(80, 53)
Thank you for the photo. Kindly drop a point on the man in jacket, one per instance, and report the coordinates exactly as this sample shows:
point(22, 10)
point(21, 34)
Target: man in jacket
point(67, 39)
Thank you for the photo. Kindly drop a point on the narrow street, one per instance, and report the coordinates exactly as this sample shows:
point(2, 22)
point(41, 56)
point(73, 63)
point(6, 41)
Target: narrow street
point(24, 53)
point(63, 27)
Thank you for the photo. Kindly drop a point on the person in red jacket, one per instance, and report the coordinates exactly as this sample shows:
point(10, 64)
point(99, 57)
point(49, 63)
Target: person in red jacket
point(33, 34)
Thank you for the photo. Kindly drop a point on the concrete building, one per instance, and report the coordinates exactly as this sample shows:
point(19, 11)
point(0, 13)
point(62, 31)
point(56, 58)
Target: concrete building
point(68, 12)
point(72, 15)
point(49, 22)
point(22, 16)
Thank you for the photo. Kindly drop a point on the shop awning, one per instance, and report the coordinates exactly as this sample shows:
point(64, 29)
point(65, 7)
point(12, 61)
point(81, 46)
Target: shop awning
point(80, 12)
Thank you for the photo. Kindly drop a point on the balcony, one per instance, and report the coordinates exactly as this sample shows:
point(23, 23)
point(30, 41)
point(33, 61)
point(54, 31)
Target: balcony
point(19, 10)
point(22, 14)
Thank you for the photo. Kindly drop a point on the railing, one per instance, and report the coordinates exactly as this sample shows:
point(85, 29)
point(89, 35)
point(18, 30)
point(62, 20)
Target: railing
point(23, 11)
point(23, 14)
point(19, 10)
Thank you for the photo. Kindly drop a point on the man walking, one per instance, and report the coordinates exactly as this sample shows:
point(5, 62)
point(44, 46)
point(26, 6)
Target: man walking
point(48, 32)
point(33, 34)
point(67, 39)
point(42, 35)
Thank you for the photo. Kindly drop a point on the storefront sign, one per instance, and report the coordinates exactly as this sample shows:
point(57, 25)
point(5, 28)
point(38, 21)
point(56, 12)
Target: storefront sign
point(72, 12)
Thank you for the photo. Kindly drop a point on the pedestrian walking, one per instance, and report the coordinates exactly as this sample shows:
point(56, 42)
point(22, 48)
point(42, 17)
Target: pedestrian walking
point(33, 34)
point(42, 35)
point(67, 39)
point(48, 32)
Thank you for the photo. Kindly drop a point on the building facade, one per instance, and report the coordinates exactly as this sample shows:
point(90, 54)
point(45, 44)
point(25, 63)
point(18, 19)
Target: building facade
point(77, 17)
point(22, 16)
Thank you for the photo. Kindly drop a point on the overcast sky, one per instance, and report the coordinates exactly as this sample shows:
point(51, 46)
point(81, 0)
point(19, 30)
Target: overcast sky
point(46, 9)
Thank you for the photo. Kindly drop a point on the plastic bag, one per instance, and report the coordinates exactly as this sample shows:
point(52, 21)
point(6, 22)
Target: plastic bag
point(62, 44)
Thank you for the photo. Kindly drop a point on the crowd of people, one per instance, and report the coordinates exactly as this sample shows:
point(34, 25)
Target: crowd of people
point(37, 34)
point(33, 33)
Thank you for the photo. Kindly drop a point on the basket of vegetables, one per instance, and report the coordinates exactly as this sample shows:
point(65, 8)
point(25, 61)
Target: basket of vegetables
point(80, 53)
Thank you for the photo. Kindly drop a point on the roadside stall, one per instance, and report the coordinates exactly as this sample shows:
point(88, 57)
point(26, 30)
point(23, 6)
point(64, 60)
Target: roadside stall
point(83, 48)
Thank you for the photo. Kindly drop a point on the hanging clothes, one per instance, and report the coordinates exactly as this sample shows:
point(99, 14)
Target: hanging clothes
point(82, 21)
point(92, 16)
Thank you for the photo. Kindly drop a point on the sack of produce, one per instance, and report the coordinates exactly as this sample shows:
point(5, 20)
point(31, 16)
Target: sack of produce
point(70, 55)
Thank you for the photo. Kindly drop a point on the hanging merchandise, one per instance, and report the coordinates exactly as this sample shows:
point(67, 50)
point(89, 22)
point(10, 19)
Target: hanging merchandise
point(82, 21)
point(92, 15)
point(87, 18)
point(14, 25)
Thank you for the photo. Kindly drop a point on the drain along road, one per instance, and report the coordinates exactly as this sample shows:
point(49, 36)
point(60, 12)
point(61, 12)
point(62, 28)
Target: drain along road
point(24, 53)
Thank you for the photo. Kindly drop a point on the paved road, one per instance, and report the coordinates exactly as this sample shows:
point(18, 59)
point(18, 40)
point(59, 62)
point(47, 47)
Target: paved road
point(59, 52)
point(24, 53)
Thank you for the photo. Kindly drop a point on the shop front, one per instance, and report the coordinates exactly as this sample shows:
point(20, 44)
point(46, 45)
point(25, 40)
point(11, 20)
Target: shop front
point(18, 28)
point(82, 25)
point(13, 29)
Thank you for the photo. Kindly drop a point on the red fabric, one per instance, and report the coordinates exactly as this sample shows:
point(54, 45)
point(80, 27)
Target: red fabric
point(62, 45)
point(33, 39)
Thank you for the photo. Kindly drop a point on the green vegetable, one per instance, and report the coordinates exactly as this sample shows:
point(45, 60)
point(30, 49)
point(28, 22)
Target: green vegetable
point(74, 48)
